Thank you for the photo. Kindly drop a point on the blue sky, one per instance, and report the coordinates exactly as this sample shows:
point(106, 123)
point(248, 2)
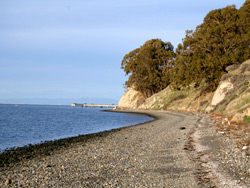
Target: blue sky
point(74, 48)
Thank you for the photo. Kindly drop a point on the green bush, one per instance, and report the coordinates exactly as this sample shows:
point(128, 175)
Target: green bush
point(246, 119)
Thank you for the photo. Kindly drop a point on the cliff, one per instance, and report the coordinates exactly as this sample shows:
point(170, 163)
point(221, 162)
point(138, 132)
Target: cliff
point(131, 99)
point(232, 96)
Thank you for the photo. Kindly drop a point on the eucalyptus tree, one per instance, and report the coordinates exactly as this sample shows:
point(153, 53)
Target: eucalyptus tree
point(221, 40)
point(149, 66)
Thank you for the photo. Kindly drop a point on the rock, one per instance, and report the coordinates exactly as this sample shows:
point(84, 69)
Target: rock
point(209, 109)
point(131, 99)
point(8, 181)
point(232, 94)
point(221, 91)
point(244, 147)
point(232, 67)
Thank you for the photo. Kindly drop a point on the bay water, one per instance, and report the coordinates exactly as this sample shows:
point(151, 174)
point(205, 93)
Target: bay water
point(31, 124)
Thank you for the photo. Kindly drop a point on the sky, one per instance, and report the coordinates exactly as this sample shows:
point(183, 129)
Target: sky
point(61, 49)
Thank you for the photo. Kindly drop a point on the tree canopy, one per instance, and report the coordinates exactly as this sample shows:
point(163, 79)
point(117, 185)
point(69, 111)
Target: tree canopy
point(221, 40)
point(148, 67)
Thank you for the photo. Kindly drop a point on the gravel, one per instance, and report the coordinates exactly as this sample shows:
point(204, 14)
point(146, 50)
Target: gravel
point(146, 155)
point(222, 163)
point(175, 150)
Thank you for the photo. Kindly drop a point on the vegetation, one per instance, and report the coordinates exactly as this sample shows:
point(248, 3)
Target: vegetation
point(246, 119)
point(149, 66)
point(221, 40)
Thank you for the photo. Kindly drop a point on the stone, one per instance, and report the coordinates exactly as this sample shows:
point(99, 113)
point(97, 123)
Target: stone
point(8, 181)
point(244, 147)
point(131, 99)
point(221, 91)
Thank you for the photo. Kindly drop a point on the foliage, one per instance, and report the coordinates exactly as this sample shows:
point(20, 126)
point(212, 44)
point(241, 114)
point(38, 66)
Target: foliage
point(222, 39)
point(149, 66)
point(246, 119)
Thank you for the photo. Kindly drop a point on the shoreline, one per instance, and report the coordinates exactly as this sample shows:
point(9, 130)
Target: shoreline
point(177, 149)
point(13, 155)
point(145, 155)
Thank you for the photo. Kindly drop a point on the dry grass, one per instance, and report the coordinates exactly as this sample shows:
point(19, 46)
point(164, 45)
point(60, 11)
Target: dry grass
point(240, 131)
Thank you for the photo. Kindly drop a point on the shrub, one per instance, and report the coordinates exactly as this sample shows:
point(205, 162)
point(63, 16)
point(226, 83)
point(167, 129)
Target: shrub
point(246, 119)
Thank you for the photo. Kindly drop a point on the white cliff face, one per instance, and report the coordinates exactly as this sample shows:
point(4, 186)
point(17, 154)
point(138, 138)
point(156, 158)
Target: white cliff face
point(221, 91)
point(232, 96)
point(220, 94)
point(131, 99)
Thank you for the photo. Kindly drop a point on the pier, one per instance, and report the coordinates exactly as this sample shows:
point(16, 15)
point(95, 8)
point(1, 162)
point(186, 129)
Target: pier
point(95, 105)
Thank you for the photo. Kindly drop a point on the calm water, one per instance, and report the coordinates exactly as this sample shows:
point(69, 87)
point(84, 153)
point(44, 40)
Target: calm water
point(29, 124)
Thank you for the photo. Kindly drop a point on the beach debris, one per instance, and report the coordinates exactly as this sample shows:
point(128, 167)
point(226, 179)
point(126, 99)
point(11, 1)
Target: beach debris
point(244, 147)
point(182, 128)
point(226, 121)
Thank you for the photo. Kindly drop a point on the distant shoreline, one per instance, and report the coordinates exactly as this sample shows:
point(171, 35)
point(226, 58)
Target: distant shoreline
point(48, 123)
point(11, 156)
point(128, 155)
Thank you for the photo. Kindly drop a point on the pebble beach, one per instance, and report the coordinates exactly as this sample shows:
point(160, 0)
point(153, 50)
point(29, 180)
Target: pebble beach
point(165, 152)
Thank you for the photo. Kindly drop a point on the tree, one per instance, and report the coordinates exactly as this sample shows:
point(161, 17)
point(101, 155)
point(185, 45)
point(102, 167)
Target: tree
point(244, 27)
point(149, 66)
point(221, 40)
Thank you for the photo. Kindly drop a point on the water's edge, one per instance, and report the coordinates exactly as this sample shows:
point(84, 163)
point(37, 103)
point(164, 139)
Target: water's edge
point(15, 155)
